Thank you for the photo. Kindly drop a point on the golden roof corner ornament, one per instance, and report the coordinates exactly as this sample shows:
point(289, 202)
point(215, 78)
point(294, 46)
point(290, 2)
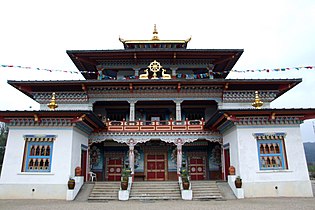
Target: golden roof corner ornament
point(52, 104)
point(257, 102)
point(155, 34)
point(188, 40)
point(121, 39)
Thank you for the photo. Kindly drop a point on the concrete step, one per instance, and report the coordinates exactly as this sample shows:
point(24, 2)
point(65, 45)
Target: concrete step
point(105, 191)
point(168, 190)
point(203, 190)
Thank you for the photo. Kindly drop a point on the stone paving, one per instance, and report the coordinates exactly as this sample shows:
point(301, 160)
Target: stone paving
point(244, 204)
point(241, 204)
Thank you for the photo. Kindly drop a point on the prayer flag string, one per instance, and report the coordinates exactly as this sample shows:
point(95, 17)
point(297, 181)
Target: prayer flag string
point(179, 75)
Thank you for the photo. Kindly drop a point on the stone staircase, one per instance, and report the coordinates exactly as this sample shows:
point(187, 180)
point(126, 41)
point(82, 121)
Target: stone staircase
point(104, 191)
point(205, 190)
point(155, 190)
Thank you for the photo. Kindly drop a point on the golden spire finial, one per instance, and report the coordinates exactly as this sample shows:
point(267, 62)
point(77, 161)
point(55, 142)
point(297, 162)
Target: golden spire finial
point(257, 102)
point(52, 104)
point(155, 34)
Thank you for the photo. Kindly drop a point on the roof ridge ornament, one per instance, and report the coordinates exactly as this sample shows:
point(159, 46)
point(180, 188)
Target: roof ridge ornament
point(52, 104)
point(257, 102)
point(155, 34)
point(154, 42)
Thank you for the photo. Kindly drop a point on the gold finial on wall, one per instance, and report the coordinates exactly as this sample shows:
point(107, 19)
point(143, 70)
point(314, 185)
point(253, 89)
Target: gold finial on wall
point(155, 34)
point(52, 104)
point(257, 102)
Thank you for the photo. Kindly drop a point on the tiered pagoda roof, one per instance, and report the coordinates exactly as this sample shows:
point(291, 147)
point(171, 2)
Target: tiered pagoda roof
point(139, 53)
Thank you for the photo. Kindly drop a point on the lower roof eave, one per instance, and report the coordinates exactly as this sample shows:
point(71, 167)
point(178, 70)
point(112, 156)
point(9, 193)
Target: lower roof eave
point(88, 117)
point(222, 115)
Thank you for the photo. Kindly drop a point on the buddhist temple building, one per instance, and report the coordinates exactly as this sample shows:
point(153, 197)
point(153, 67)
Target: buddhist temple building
point(155, 107)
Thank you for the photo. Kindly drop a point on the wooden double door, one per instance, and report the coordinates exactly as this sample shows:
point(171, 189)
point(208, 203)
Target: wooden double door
point(156, 166)
point(114, 167)
point(197, 167)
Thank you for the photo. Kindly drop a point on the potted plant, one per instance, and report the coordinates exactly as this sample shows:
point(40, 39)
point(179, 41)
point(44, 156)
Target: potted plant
point(71, 183)
point(238, 182)
point(185, 178)
point(126, 172)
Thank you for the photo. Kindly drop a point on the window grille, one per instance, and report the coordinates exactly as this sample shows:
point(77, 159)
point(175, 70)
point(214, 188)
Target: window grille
point(271, 151)
point(38, 153)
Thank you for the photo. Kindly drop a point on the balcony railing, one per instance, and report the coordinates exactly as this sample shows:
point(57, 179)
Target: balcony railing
point(166, 125)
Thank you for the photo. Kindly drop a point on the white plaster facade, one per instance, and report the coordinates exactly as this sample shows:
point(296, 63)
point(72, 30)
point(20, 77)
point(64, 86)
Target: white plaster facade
point(291, 182)
point(66, 155)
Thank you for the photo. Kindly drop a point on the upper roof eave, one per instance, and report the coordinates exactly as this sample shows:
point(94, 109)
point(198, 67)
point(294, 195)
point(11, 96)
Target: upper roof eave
point(152, 49)
point(29, 87)
point(206, 81)
point(154, 41)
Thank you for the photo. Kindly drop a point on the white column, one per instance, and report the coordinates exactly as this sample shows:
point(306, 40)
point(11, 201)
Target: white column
point(178, 110)
point(132, 110)
point(132, 158)
point(179, 157)
point(210, 68)
point(179, 143)
point(136, 72)
point(131, 143)
point(173, 71)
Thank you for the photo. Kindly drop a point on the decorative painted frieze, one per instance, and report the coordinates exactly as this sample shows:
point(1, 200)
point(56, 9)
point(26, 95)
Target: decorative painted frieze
point(269, 136)
point(141, 137)
point(61, 97)
point(144, 91)
point(41, 122)
point(281, 120)
point(248, 96)
point(185, 63)
point(51, 122)
point(258, 120)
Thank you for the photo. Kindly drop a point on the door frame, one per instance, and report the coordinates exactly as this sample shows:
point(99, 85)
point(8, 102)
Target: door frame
point(227, 160)
point(149, 152)
point(108, 155)
point(84, 161)
point(203, 156)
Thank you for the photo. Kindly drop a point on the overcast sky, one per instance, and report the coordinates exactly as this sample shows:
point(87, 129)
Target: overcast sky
point(273, 34)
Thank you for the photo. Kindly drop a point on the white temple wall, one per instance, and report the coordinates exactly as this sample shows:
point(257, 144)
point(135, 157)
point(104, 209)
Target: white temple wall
point(68, 107)
point(240, 105)
point(15, 184)
point(293, 181)
point(230, 139)
point(79, 139)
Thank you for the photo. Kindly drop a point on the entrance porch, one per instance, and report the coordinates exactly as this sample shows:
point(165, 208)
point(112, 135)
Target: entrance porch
point(156, 159)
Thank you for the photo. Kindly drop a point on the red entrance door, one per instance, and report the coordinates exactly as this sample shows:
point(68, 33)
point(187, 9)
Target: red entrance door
point(83, 163)
point(226, 162)
point(197, 168)
point(156, 167)
point(114, 168)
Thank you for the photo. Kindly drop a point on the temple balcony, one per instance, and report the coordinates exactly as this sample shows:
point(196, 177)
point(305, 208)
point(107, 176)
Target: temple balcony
point(153, 126)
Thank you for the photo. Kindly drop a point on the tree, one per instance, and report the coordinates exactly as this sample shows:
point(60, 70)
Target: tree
point(3, 141)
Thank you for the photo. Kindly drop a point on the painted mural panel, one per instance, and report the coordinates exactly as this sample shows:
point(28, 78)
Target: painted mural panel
point(214, 157)
point(96, 158)
point(139, 160)
point(172, 159)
